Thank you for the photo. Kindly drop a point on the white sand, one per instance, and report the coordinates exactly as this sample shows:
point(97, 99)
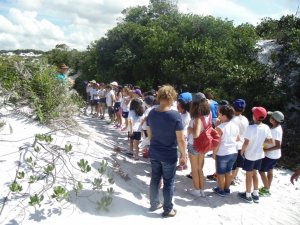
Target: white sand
point(131, 200)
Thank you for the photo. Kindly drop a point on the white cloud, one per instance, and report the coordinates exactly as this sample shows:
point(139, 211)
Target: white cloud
point(42, 24)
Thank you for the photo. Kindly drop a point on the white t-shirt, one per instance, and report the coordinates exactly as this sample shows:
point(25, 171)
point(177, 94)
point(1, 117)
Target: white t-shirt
point(95, 94)
point(102, 93)
point(186, 118)
point(136, 121)
point(276, 135)
point(242, 123)
point(109, 97)
point(124, 106)
point(89, 91)
point(146, 113)
point(256, 134)
point(228, 139)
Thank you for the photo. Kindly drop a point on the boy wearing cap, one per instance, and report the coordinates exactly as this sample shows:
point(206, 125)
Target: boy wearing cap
point(255, 136)
point(272, 152)
point(242, 122)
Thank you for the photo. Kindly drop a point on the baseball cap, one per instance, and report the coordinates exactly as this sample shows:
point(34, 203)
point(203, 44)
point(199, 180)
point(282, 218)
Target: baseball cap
point(277, 115)
point(198, 97)
point(259, 113)
point(223, 102)
point(138, 92)
point(239, 103)
point(149, 100)
point(186, 97)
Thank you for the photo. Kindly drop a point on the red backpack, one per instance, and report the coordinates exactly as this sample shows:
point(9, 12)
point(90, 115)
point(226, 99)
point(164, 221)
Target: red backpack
point(208, 139)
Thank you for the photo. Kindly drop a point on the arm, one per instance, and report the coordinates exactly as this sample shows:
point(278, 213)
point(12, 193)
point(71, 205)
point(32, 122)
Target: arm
point(244, 147)
point(195, 131)
point(295, 175)
point(215, 150)
point(277, 146)
point(182, 146)
point(149, 133)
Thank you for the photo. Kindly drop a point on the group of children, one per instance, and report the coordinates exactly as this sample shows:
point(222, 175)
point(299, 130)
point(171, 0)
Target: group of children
point(255, 148)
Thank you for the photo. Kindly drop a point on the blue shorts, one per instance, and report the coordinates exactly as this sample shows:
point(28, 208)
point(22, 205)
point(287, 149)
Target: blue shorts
point(267, 164)
point(95, 102)
point(225, 163)
point(136, 136)
point(125, 115)
point(102, 100)
point(191, 150)
point(239, 162)
point(117, 106)
point(110, 111)
point(252, 165)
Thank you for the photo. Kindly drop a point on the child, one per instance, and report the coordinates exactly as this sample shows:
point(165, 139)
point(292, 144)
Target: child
point(135, 126)
point(102, 92)
point(226, 153)
point(255, 136)
point(117, 106)
point(110, 101)
point(272, 152)
point(183, 109)
point(125, 106)
point(242, 122)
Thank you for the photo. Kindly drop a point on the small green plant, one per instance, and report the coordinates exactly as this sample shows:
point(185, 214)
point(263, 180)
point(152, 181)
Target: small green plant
point(15, 187)
point(48, 170)
point(59, 193)
point(78, 187)
point(68, 148)
point(44, 137)
point(37, 149)
point(32, 179)
point(97, 184)
point(29, 160)
point(84, 166)
point(105, 202)
point(20, 175)
point(36, 200)
point(103, 167)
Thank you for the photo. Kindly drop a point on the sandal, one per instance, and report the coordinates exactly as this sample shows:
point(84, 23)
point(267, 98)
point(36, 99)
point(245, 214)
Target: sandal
point(172, 213)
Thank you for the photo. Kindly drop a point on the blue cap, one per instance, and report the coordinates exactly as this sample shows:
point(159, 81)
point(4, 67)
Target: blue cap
point(186, 97)
point(239, 103)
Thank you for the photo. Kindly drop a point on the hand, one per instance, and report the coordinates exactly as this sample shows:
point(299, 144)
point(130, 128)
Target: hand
point(295, 176)
point(182, 160)
point(214, 156)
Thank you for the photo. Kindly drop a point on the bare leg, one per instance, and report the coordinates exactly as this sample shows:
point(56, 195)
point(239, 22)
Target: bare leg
point(228, 179)
point(249, 176)
point(264, 179)
point(221, 181)
point(195, 170)
point(270, 178)
point(201, 174)
point(255, 180)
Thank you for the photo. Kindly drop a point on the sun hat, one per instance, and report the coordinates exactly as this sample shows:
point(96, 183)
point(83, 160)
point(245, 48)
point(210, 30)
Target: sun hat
point(63, 66)
point(277, 115)
point(259, 113)
point(114, 83)
point(93, 82)
point(186, 97)
point(198, 97)
point(239, 104)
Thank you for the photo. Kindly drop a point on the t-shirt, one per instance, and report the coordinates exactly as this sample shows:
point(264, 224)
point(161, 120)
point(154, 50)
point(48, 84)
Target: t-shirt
point(102, 93)
point(136, 121)
point(95, 94)
point(191, 124)
point(228, 139)
point(242, 123)
point(214, 110)
point(256, 134)
point(124, 106)
point(89, 91)
point(276, 135)
point(109, 97)
point(163, 143)
point(61, 77)
point(146, 113)
point(186, 118)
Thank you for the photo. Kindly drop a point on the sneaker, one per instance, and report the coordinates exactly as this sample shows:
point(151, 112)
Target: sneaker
point(180, 168)
point(244, 196)
point(154, 208)
point(189, 176)
point(219, 192)
point(227, 191)
point(211, 177)
point(195, 192)
point(264, 192)
point(255, 198)
point(202, 193)
point(172, 213)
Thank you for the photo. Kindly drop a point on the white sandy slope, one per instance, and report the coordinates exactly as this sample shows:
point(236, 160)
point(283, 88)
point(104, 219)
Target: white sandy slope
point(131, 200)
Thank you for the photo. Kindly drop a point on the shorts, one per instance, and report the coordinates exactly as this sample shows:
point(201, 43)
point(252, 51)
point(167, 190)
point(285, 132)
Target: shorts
point(252, 165)
point(95, 102)
point(117, 106)
point(224, 163)
point(267, 164)
point(102, 100)
point(110, 111)
point(125, 114)
point(136, 136)
point(239, 161)
point(191, 150)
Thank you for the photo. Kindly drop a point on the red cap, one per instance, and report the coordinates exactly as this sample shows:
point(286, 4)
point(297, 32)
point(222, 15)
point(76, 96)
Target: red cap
point(259, 113)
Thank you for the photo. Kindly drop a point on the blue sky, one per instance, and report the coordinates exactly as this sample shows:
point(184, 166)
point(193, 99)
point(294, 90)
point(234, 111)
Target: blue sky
point(41, 24)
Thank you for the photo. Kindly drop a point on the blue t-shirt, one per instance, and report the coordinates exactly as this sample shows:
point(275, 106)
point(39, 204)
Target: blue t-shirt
point(163, 143)
point(61, 77)
point(214, 110)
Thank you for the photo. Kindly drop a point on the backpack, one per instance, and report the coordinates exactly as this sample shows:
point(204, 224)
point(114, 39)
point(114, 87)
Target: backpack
point(208, 139)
